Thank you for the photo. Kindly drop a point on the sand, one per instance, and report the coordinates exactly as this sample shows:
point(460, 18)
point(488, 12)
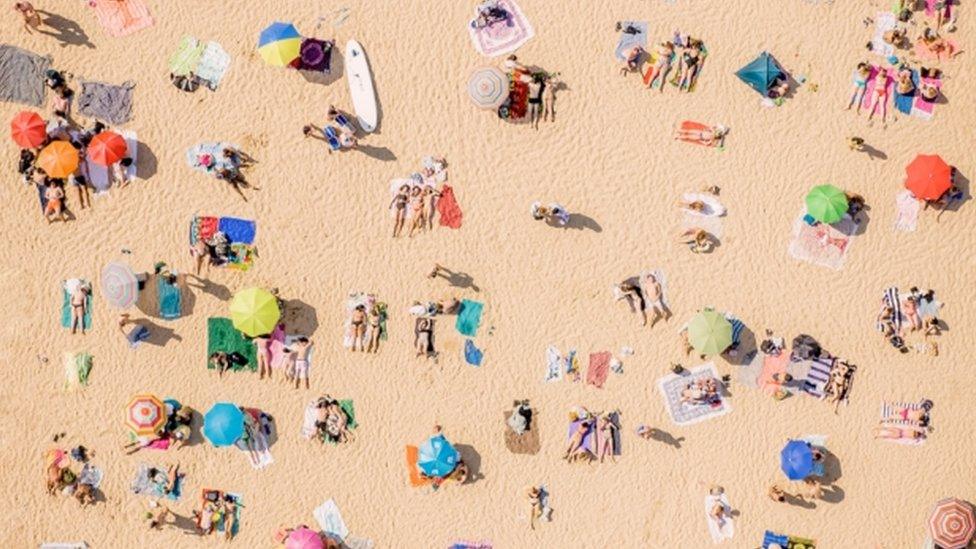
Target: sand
point(323, 231)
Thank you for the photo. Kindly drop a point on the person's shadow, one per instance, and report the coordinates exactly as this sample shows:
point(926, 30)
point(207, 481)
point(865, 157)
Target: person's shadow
point(159, 335)
point(576, 221)
point(873, 152)
point(207, 286)
point(666, 437)
point(67, 31)
point(458, 279)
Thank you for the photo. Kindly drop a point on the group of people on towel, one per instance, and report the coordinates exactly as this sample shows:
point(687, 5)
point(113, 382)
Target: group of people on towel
point(415, 199)
point(601, 426)
point(331, 421)
point(690, 52)
point(425, 315)
point(905, 422)
point(701, 391)
point(642, 294)
point(217, 508)
point(61, 478)
point(912, 313)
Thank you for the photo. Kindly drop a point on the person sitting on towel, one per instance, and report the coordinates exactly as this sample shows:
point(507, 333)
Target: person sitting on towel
point(520, 421)
point(489, 13)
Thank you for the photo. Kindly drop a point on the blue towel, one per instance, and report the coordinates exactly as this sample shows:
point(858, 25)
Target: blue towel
point(904, 102)
point(237, 230)
point(737, 327)
point(769, 538)
point(469, 317)
point(628, 41)
point(472, 354)
point(66, 310)
point(138, 334)
point(332, 137)
point(170, 300)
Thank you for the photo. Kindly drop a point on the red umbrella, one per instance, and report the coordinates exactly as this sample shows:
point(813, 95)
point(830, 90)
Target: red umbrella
point(952, 524)
point(107, 148)
point(929, 177)
point(28, 130)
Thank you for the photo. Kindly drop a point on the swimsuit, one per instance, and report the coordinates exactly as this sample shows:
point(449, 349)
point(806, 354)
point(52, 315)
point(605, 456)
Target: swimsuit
point(301, 369)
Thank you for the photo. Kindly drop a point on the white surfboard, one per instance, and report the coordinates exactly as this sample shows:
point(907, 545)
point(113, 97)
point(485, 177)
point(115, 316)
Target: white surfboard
point(361, 86)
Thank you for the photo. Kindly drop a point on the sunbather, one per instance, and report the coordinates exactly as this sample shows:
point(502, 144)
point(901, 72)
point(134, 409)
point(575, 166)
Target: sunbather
point(300, 351)
point(489, 13)
point(712, 136)
point(549, 97)
point(262, 345)
point(605, 429)
point(880, 95)
point(418, 219)
point(661, 65)
point(358, 322)
point(778, 88)
point(230, 516)
point(120, 172)
point(904, 84)
point(399, 205)
point(860, 77)
point(576, 440)
point(928, 91)
point(156, 515)
point(430, 196)
point(631, 60)
point(910, 310)
point(698, 240)
point(636, 297)
point(654, 296)
point(423, 328)
point(690, 59)
point(918, 415)
point(534, 496)
point(54, 194)
point(898, 433)
point(79, 306)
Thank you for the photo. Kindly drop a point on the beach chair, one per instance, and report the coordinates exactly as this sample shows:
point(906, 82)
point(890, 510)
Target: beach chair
point(332, 138)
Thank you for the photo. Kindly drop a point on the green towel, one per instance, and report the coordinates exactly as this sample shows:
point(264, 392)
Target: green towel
point(351, 424)
point(187, 55)
point(66, 310)
point(83, 361)
point(469, 317)
point(223, 337)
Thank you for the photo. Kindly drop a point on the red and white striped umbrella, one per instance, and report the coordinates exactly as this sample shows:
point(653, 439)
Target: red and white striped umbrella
point(145, 415)
point(952, 524)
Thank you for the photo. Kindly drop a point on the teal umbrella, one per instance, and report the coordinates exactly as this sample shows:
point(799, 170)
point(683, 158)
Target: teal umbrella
point(224, 424)
point(437, 457)
point(826, 203)
point(761, 73)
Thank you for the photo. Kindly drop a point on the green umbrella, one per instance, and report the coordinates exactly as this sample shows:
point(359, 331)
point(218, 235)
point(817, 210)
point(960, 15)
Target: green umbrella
point(709, 332)
point(826, 203)
point(254, 312)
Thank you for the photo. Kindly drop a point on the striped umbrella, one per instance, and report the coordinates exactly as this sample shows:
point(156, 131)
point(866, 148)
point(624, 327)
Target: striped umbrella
point(119, 285)
point(952, 524)
point(59, 159)
point(280, 44)
point(28, 129)
point(488, 87)
point(107, 148)
point(145, 415)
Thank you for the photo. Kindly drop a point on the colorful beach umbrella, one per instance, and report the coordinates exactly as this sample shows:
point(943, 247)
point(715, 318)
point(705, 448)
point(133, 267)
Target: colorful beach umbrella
point(304, 538)
point(826, 203)
point(709, 332)
point(280, 44)
point(761, 72)
point(120, 286)
point(254, 312)
point(952, 524)
point(437, 457)
point(107, 148)
point(929, 177)
point(145, 415)
point(488, 87)
point(28, 130)
point(223, 424)
point(59, 159)
point(796, 460)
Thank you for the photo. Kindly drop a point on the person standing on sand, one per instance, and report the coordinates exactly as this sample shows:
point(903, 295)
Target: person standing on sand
point(32, 19)
point(549, 98)
point(301, 349)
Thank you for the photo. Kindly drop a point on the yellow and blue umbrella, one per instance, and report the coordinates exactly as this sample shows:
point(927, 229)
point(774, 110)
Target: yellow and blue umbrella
point(280, 44)
point(437, 457)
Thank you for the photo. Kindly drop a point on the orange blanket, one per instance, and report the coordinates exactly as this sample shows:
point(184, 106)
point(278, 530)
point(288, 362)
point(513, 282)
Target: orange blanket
point(772, 365)
point(447, 207)
point(688, 125)
point(122, 17)
point(415, 479)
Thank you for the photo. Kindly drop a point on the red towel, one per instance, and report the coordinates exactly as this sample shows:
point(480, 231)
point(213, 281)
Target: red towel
point(207, 227)
point(596, 373)
point(448, 208)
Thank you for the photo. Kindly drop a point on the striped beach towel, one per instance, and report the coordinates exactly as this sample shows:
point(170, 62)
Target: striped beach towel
point(888, 414)
point(737, 328)
point(817, 377)
point(893, 300)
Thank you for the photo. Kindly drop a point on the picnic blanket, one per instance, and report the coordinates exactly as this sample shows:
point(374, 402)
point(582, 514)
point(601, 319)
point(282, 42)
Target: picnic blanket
point(106, 102)
point(170, 299)
point(330, 519)
point(469, 317)
point(122, 17)
point(22, 75)
point(923, 108)
point(144, 485)
point(86, 320)
point(720, 531)
point(504, 36)
point(884, 21)
point(77, 368)
point(222, 336)
point(628, 40)
point(448, 209)
point(681, 413)
point(908, 208)
point(526, 443)
point(599, 369)
point(823, 245)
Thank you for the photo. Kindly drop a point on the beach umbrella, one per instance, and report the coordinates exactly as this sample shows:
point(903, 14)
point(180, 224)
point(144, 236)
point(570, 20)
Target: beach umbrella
point(59, 159)
point(107, 148)
point(254, 312)
point(304, 538)
point(826, 203)
point(315, 54)
point(437, 457)
point(145, 415)
point(761, 72)
point(709, 332)
point(952, 524)
point(28, 130)
point(488, 87)
point(120, 286)
point(796, 460)
point(280, 44)
point(929, 177)
point(224, 424)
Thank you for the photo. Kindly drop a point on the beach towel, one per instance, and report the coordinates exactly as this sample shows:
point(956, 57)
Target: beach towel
point(170, 299)
point(466, 544)
point(448, 209)
point(196, 155)
point(925, 53)
point(818, 376)
point(469, 317)
point(526, 443)
point(212, 64)
point(237, 230)
point(308, 429)
point(77, 368)
point(259, 442)
point(907, 207)
point(891, 298)
point(122, 17)
point(220, 525)
point(923, 108)
point(184, 60)
point(904, 102)
point(599, 369)
point(589, 439)
point(601, 440)
point(725, 529)
point(628, 40)
point(472, 354)
point(330, 519)
point(884, 21)
point(98, 175)
point(824, 245)
point(773, 365)
point(91, 476)
point(676, 74)
point(671, 386)
point(689, 125)
point(86, 320)
point(106, 102)
point(415, 479)
point(504, 36)
point(279, 342)
point(22, 75)
point(223, 337)
point(143, 485)
point(554, 364)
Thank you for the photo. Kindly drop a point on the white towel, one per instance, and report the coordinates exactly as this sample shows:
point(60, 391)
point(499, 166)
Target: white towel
point(308, 421)
point(554, 364)
point(884, 21)
point(907, 207)
point(725, 529)
point(713, 208)
point(330, 519)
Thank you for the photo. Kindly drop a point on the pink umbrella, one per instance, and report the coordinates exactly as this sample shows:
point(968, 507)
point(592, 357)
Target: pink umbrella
point(304, 538)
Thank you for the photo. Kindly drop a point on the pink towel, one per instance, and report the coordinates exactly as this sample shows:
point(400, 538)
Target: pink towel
point(926, 53)
point(599, 368)
point(122, 17)
point(159, 444)
point(923, 106)
point(868, 100)
point(772, 364)
point(277, 346)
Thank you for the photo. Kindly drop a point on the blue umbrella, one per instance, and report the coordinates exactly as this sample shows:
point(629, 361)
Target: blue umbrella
point(796, 460)
point(761, 73)
point(437, 457)
point(224, 424)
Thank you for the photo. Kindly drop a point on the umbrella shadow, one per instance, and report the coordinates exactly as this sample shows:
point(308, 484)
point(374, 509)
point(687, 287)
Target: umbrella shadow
point(379, 153)
point(196, 429)
point(962, 182)
point(745, 351)
point(300, 317)
point(336, 70)
point(862, 221)
point(472, 459)
point(67, 31)
point(146, 161)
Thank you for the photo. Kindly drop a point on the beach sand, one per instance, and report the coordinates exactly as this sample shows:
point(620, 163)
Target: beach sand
point(323, 231)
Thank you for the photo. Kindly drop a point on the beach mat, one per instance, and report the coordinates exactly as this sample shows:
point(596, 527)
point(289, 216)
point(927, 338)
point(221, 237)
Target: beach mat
point(184, 60)
point(589, 439)
point(122, 17)
point(222, 336)
point(170, 299)
point(448, 209)
point(884, 21)
point(868, 100)
point(526, 443)
point(22, 75)
point(213, 64)
point(504, 36)
point(237, 230)
point(671, 386)
point(904, 102)
point(922, 108)
point(690, 125)
point(106, 102)
point(823, 245)
point(907, 208)
point(415, 479)
point(145, 486)
point(469, 317)
point(598, 369)
point(472, 354)
point(77, 368)
point(66, 310)
point(330, 520)
point(627, 40)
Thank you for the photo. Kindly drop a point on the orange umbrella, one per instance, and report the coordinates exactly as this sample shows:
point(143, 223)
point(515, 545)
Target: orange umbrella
point(28, 129)
point(107, 148)
point(59, 159)
point(929, 177)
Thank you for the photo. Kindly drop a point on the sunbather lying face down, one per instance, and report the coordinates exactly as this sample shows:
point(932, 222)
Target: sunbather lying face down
point(896, 433)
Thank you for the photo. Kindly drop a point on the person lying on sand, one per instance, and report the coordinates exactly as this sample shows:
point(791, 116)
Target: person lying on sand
point(860, 78)
point(712, 136)
point(631, 60)
point(654, 296)
point(697, 239)
point(79, 306)
point(605, 429)
point(399, 206)
point(897, 433)
point(358, 322)
point(418, 219)
point(914, 415)
point(690, 60)
point(634, 293)
point(424, 329)
point(576, 440)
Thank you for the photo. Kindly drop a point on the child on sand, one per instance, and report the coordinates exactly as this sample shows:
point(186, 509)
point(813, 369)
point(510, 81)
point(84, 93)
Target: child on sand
point(32, 19)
